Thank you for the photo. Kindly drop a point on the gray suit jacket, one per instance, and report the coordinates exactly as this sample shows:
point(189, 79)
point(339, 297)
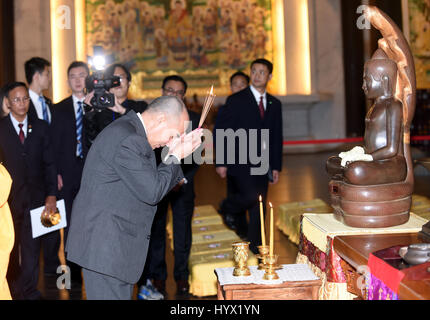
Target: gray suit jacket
point(114, 209)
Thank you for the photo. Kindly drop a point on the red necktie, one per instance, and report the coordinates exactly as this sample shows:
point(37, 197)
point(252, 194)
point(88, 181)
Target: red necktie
point(261, 107)
point(21, 133)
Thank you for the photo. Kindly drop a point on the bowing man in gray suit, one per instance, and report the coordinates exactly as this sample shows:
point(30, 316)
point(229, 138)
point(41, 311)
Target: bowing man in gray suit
point(121, 186)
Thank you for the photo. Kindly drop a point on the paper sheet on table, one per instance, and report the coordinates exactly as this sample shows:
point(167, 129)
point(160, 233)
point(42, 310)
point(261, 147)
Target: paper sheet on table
point(38, 229)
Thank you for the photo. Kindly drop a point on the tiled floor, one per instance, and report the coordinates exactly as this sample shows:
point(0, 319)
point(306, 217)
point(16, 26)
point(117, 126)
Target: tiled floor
point(302, 178)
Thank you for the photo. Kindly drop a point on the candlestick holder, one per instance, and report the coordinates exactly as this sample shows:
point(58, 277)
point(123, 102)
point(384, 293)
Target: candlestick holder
point(263, 252)
point(240, 257)
point(271, 266)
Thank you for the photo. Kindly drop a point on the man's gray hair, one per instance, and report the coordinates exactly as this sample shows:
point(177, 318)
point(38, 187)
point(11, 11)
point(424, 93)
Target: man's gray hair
point(170, 105)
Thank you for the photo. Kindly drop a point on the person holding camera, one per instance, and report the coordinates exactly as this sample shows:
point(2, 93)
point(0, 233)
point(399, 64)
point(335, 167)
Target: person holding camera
point(96, 120)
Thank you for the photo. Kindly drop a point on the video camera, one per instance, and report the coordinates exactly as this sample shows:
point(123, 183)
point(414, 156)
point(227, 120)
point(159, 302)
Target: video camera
point(102, 97)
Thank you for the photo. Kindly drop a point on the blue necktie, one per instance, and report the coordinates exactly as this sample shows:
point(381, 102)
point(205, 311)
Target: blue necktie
point(44, 109)
point(79, 117)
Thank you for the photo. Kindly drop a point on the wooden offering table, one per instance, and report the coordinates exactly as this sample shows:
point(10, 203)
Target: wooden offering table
point(355, 251)
point(242, 288)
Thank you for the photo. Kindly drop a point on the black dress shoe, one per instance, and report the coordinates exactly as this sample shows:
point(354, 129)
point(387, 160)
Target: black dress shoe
point(229, 219)
point(160, 285)
point(182, 288)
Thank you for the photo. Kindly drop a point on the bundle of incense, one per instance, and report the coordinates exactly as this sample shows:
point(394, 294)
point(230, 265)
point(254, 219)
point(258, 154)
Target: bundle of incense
point(207, 106)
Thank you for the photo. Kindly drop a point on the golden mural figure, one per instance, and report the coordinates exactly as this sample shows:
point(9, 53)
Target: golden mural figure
point(419, 23)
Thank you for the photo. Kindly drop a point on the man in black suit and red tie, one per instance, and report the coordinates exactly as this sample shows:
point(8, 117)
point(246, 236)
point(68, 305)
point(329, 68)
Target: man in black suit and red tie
point(29, 157)
point(251, 110)
point(68, 136)
point(38, 76)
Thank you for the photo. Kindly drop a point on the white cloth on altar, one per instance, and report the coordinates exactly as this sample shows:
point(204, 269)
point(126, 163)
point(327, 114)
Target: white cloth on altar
point(289, 272)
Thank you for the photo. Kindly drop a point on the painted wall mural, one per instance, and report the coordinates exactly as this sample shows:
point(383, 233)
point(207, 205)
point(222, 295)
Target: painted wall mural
point(419, 25)
point(205, 41)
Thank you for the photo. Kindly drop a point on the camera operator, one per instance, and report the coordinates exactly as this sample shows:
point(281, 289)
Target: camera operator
point(96, 120)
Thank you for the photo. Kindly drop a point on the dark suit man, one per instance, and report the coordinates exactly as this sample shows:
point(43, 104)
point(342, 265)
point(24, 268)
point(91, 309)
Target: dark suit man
point(181, 198)
point(70, 150)
point(38, 76)
point(68, 136)
point(237, 222)
point(121, 186)
point(28, 156)
point(252, 109)
point(96, 120)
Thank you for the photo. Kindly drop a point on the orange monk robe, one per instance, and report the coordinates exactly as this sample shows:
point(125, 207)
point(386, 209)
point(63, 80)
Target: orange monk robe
point(7, 235)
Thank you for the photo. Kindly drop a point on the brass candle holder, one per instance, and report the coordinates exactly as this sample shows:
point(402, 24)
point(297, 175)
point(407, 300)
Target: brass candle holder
point(263, 252)
point(271, 266)
point(240, 257)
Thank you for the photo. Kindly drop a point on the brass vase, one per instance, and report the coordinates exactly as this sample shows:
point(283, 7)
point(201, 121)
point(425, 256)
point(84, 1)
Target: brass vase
point(50, 219)
point(240, 257)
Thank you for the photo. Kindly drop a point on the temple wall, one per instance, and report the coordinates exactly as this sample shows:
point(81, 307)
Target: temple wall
point(317, 114)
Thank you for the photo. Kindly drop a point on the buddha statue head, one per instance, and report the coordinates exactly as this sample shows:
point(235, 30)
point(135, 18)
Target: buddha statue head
point(380, 75)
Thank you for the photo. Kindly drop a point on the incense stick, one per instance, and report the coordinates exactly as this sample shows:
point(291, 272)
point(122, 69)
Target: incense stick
point(207, 106)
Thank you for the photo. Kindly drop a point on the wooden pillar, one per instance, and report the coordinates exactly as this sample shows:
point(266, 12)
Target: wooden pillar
point(7, 54)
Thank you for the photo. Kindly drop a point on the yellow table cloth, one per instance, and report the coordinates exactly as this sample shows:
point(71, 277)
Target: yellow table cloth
point(316, 228)
point(316, 249)
point(203, 280)
point(289, 215)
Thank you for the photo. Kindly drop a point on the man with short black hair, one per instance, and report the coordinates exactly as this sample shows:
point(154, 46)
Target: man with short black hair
point(238, 221)
point(252, 109)
point(68, 139)
point(29, 157)
point(38, 76)
point(238, 81)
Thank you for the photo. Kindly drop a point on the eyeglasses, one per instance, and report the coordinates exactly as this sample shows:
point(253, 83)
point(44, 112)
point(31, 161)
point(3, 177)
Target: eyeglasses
point(172, 92)
point(19, 100)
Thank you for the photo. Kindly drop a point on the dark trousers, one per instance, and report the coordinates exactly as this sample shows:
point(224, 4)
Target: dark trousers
point(69, 193)
point(240, 217)
point(182, 203)
point(24, 276)
point(247, 189)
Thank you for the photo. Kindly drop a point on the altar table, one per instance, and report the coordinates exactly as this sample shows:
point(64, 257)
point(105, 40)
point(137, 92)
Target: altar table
point(355, 251)
point(296, 282)
point(316, 249)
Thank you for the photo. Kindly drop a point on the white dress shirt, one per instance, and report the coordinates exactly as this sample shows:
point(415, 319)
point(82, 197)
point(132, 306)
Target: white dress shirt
point(15, 124)
point(258, 95)
point(38, 106)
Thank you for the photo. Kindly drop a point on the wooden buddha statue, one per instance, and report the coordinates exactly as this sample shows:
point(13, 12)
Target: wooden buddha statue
point(374, 189)
point(383, 137)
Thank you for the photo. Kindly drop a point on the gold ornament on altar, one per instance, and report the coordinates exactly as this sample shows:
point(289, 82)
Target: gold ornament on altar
point(263, 252)
point(271, 266)
point(50, 219)
point(240, 257)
